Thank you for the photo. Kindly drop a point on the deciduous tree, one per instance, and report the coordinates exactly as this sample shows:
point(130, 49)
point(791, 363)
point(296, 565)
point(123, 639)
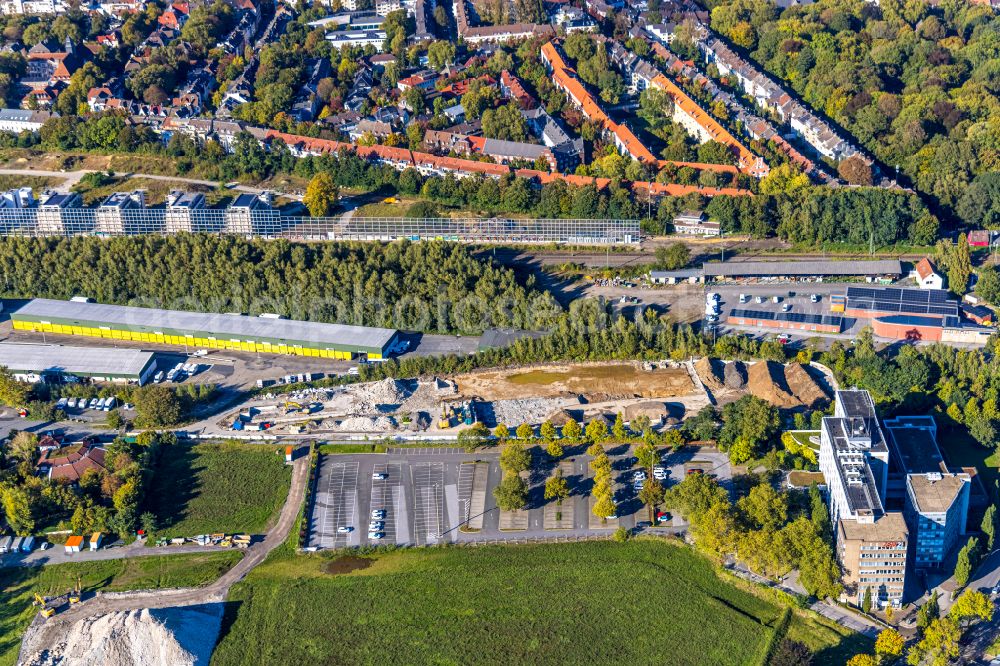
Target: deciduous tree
point(556, 487)
point(321, 195)
point(511, 494)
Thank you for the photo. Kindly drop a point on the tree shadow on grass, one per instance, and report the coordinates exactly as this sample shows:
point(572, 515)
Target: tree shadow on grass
point(848, 646)
point(174, 485)
point(229, 613)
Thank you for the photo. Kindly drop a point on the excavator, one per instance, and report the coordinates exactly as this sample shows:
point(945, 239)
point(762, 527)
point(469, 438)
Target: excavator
point(43, 603)
point(292, 406)
point(74, 595)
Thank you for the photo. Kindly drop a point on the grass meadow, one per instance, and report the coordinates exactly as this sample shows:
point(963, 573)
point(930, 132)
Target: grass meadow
point(218, 487)
point(643, 602)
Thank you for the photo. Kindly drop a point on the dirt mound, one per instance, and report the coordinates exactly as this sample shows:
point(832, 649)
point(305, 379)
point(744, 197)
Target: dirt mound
point(736, 375)
point(803, 386)
point(168, 637)
point(562, 417)
point(709, 372)
point(766, 380)
point(655, 410)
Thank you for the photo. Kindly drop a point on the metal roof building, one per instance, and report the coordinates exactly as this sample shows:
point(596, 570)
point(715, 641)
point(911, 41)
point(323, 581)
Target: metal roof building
point(200, 329)
point(802, 268)
point(876, 301)
point(787, 320)
point(35, 362)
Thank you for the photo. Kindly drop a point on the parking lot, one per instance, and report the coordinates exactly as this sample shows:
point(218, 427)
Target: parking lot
point(793, 298)
point(387, 496)
point(428, 496)
point(335, 504)
point(411, 493)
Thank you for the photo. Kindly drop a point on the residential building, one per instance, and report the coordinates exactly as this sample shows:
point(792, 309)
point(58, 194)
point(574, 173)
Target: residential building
point(180, 206)
point(512, 88)
point(496, 34)
point(925, 275)
point(69, 463)
point(424, 80)
point(768, 94)
point(383, 7)
point(32, 7)
point(980, 237)
point(16, 121)
point(307, 101)
point(55, 213)
point(47, 64)
point(112, 217)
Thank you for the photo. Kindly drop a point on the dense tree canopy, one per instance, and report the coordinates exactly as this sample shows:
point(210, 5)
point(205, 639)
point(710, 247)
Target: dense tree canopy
point(915, 82)
point(423, 286)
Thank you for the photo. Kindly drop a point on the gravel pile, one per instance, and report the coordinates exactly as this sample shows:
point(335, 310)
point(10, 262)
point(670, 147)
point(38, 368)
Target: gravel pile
point(736, 375)
point(513, 413)
point(368, 424)
point(160, 637)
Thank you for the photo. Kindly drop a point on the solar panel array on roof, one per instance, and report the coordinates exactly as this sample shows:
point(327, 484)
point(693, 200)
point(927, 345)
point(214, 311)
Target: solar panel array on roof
point(936, 302)
point(795, 317)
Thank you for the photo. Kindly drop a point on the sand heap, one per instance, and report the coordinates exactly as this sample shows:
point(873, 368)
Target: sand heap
point(709, 371)
point(784, 386)
point(766, 380)
point(162, 637)
point(805, 388)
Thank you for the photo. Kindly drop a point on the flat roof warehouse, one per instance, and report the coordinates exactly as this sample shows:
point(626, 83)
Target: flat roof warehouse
point(802, 268)
point(85, 361)
point(203, 327)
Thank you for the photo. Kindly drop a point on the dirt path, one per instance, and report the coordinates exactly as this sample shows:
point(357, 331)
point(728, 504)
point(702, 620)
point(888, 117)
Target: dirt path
point(71, 178)
point(52, 628)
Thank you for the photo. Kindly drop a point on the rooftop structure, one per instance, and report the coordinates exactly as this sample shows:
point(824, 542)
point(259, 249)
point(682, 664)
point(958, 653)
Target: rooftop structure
point(878, 301)
point(69, 463)
point(914, 444)
point(788, 320)
point(935, 492)
point(199, 329)
point(35, 363)
point(803, 268)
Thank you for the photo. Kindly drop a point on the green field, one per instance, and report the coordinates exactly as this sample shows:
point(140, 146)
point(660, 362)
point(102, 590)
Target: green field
point(645, 601)
point(138, 573)
point(803, 438)
point(960, 450)
point(218, 487)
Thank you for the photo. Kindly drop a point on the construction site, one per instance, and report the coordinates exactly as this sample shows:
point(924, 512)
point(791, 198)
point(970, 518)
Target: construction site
point(665, 391)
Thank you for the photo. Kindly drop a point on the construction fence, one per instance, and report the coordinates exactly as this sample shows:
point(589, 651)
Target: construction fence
point(268, 223)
